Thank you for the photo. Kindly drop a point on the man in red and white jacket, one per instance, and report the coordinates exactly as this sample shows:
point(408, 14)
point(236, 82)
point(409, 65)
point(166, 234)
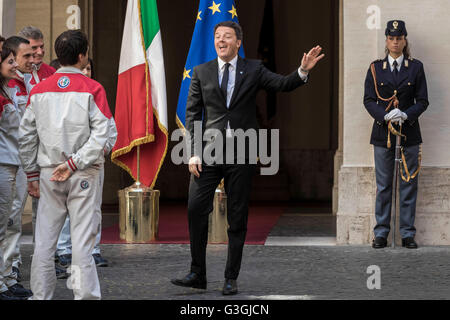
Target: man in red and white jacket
point(41, 70)
point(61, 141)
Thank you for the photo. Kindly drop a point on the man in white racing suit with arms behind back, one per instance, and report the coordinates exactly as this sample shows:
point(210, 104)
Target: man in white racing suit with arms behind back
point(61, 141)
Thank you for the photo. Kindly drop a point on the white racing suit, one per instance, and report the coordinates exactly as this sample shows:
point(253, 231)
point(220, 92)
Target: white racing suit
point(66, 121)
point(64, 245)
point(22, 87)
point(13, 180)
point(12, 191)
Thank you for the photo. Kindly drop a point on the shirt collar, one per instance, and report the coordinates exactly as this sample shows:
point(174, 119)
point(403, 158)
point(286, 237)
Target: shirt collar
point(399, 60)
point(233, 62)
point(68, 69)
point(37, 66)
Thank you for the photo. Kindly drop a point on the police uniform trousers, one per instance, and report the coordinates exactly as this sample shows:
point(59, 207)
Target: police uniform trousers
point(237, 179)
point(384, 170)
point(78, 197)
point(13, 184)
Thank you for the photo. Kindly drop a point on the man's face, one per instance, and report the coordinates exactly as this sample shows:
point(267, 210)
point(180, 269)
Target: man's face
point(24, 58)
point(38, 50)
point(226, 43)
point(395, 44)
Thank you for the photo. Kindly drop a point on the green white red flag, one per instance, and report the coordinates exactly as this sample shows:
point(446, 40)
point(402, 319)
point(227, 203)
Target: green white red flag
point(141, 103)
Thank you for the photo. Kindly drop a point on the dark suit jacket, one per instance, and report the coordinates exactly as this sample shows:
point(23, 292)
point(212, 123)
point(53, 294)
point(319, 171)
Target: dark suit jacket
point(206, 102)
point(412, 94)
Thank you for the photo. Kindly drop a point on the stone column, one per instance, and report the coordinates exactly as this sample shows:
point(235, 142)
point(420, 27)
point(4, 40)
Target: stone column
point(8, 17)
point(364, 22)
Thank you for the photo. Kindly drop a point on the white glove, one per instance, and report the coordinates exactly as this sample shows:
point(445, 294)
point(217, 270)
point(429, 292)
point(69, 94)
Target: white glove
point(395, 113)
point(401, 118)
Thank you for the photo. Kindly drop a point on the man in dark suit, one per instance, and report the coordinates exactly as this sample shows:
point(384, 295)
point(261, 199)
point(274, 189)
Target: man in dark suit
point(400, 76)
point(222, 96)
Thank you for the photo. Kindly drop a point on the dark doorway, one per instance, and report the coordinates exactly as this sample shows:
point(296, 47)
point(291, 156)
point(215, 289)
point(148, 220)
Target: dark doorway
point(307, 118)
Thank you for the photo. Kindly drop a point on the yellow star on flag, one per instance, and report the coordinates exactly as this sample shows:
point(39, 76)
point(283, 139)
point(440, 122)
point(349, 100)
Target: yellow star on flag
point(186, 74)
point(233, 12)
point(215, 7)
point(198, 16)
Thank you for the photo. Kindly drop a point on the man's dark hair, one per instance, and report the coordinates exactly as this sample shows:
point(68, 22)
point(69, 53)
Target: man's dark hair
point(55, 64)
point(69, 45)
point(231, 24)
point(13, 43)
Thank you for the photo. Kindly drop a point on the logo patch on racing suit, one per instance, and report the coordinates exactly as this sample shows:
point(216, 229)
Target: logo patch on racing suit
point(63, 82)
point(84, 184)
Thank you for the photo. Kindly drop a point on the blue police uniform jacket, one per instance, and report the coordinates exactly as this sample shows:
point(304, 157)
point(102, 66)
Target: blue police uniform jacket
point(412, 94)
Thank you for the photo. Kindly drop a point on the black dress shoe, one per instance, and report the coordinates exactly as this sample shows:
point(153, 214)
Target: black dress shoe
point(229, 287)
point(192, 280)
point(409, 243)
point(379, 243)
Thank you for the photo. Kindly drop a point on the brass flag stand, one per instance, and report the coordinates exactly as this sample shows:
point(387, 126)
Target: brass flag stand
point(139, 211)
point(218, 224)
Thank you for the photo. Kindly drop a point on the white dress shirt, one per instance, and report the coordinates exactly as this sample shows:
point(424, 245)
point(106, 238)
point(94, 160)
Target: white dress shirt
point(399, 62)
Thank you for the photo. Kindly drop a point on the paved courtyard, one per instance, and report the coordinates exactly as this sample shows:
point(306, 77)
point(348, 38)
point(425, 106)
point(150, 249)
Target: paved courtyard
point(271, 272)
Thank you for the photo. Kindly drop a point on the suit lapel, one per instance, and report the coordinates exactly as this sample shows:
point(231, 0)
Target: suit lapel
point(213, 73)
point(240, 73)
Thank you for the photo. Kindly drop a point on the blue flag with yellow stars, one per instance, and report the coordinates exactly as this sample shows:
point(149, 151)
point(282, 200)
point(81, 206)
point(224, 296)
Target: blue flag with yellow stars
point(202, 48)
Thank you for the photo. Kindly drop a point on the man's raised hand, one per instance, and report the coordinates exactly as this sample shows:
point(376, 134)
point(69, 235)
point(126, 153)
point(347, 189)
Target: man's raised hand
point(311, 58)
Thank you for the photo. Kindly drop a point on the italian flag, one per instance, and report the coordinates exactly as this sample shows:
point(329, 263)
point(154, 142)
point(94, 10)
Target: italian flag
point(141, 103)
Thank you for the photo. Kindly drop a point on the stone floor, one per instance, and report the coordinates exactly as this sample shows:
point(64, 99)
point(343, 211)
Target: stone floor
point(300, 261)
point(271, 272)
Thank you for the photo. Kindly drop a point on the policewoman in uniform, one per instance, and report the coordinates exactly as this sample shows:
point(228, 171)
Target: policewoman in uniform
point(395, 95)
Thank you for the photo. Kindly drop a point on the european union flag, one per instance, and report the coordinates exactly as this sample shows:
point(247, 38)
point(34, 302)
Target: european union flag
point(202, 48)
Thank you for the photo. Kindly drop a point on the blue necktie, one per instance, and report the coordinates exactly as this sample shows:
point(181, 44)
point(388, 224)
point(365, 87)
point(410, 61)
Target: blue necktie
point(395, 70)
point(224, 84)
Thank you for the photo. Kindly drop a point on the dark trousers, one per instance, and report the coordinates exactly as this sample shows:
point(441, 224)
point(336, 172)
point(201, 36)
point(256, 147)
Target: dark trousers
point(238, 180)
point(384, 169)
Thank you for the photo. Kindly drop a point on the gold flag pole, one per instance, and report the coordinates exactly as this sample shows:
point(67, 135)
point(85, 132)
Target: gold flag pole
point(138, 176)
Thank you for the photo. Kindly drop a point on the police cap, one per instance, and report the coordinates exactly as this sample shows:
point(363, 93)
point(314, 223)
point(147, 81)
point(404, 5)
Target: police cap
point(396, 28)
